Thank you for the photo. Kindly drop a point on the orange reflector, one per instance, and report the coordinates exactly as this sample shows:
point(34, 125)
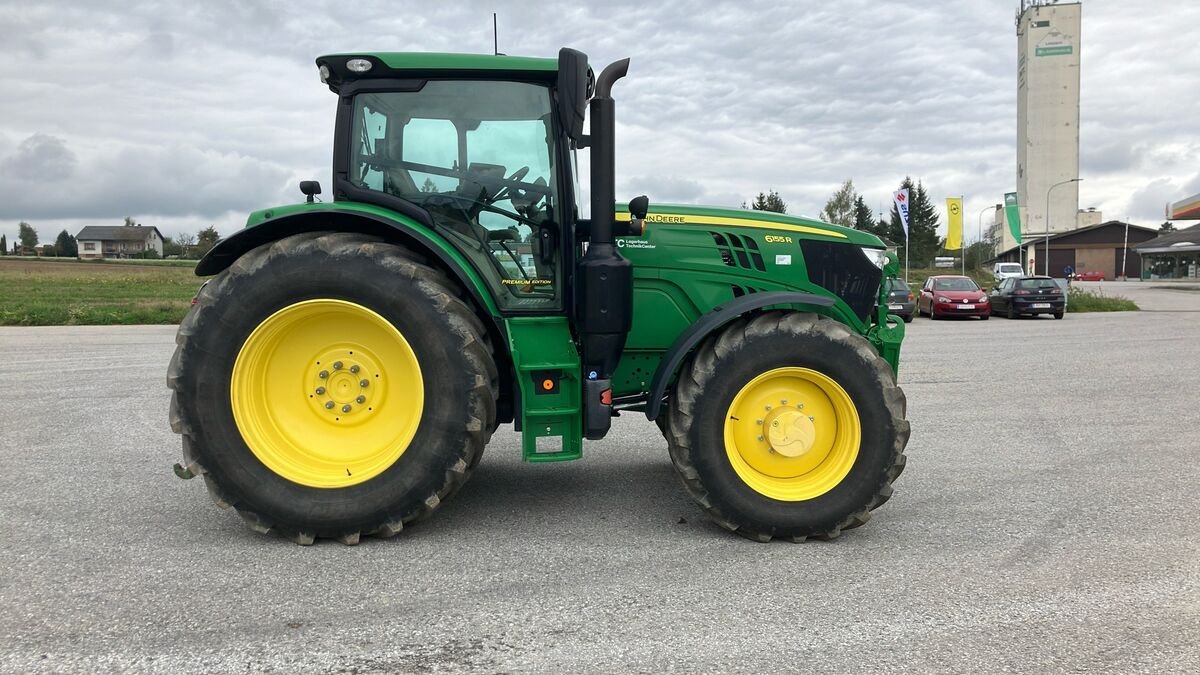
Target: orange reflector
point(606, 397)
point(547, 384)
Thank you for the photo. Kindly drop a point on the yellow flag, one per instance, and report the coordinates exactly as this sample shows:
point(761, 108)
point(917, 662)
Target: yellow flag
point(954, 218)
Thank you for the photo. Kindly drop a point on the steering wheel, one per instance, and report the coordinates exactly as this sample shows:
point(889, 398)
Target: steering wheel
point(504, 192)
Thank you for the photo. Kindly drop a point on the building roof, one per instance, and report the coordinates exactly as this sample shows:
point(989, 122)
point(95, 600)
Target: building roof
point(116, 233)
point(1179, 240)
point(1059, 236)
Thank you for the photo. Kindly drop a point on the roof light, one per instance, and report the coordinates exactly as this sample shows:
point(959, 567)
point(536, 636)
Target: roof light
point(358, 65)
point(877, 256)
point(324, 73)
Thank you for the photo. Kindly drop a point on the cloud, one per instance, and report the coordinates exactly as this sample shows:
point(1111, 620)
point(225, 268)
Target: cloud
point(189, 112)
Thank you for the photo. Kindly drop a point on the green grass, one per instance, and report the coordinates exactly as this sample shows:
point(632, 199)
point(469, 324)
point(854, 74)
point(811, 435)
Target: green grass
point(1080, 300)
point(50, 293)
point(136, 262)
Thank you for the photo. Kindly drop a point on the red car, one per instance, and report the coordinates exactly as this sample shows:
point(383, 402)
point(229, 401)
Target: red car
point(947, 295)
point(1089, 276)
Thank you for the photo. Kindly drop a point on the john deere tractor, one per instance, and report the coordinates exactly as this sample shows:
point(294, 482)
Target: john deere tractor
point(346, 365)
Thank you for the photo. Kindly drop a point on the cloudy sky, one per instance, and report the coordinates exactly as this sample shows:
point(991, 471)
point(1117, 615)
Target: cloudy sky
point(185, 114)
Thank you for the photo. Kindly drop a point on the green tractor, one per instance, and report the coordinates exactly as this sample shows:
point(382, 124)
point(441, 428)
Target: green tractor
point(342, 371)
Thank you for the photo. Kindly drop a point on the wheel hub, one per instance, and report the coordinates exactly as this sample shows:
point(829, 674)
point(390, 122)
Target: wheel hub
point(789, 432)
point(343, 384)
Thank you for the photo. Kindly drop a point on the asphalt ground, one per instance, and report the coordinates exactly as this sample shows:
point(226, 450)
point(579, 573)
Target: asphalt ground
point(1046, 523)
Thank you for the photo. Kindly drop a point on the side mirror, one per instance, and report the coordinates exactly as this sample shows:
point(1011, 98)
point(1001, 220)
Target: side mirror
point(310, 188)
point(637, 218)
point(575, 81)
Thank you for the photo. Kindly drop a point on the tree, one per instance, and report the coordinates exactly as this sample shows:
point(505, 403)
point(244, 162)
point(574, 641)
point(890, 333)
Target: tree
point(3, 244)
point(65, 245)
point(171, 248)
point(49, 251)
point(205, 239)
point(27, 235)
point(863, 218)
point(186, 241)
point(428, 186)
point(770, 201)
point(839, 210)
point(923, 241)
point(129, 221)
point(1166, 228)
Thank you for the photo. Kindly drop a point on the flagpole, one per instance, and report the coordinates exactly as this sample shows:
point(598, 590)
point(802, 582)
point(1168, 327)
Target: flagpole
point(962, 239)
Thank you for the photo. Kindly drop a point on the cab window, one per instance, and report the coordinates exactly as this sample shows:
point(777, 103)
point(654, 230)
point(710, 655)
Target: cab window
point(478, 156)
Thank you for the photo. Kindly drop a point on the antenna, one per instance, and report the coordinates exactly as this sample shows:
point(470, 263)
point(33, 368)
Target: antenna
point(495, 37)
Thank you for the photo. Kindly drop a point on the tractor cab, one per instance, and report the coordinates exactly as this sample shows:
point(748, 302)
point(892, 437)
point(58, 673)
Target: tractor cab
point(473, 146)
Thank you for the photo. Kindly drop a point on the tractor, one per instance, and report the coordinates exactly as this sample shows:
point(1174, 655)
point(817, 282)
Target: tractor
point(342, 370)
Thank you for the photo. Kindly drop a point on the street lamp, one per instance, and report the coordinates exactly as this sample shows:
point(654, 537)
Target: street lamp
point(1046, 264)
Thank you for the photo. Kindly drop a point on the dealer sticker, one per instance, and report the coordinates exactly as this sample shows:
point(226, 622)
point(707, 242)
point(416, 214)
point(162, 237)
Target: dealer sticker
point(783, 260)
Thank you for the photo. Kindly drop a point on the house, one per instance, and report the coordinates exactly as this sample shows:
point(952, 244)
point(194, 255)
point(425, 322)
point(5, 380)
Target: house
point(120, 241)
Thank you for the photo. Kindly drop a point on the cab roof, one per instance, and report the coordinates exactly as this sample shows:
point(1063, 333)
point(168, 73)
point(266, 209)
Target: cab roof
point(420, 65)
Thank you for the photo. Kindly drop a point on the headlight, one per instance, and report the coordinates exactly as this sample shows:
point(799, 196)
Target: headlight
point(983, 299)
point(324, 73)
point(358, 65)
point(877, 256)
point(942, 298)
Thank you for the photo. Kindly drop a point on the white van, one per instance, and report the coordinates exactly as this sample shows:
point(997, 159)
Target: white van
point(1003, 271)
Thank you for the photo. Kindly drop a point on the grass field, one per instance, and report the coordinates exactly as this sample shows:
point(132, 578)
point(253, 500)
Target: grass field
point(53, 293)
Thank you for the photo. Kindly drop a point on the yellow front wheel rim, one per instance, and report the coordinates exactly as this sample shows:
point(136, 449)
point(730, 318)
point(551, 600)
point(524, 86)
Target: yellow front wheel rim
point(792, 434)
point(327, 393)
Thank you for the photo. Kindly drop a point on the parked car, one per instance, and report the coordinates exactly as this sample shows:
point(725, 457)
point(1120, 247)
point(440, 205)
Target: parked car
point(948, 295)
point(1002, 271)
point(1028, 295)
point(1089, 276)
point(900, 300)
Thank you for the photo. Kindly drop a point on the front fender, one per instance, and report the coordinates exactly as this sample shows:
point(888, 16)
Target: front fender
point(718, 317)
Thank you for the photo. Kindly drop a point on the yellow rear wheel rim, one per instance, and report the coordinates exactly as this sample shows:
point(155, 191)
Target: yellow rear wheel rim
point(327, 393)
point(792, 434)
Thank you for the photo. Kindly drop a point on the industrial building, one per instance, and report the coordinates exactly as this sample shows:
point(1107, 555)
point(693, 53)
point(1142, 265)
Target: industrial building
point(1108, 248)
point(1048, 55)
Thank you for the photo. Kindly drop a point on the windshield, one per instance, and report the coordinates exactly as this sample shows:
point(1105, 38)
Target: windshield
point(954, 284)
point(1011, 268)
point(1036, 283)
point(478, 156)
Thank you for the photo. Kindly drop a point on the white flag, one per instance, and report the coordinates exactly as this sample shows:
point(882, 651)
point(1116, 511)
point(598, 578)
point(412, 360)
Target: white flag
point(900, 197)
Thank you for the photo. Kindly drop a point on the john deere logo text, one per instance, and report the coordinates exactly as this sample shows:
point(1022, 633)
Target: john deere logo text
point(777, 239)
point(656, 218)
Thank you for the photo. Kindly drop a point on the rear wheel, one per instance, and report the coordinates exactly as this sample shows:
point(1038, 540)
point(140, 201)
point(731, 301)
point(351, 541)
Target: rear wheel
point(1058, 315)
point(787, 425)
point(332, 385)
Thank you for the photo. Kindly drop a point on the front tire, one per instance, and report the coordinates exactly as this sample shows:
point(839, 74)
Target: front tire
point(787, 425)
point(332, 385)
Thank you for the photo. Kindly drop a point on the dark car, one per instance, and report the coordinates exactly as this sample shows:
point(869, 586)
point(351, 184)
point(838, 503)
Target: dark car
point(1028, 295)
point(952, 295)
point(900, 299)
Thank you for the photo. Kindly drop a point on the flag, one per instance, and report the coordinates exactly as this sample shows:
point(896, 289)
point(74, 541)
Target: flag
point(900, 197)
point(954, 220)
point(1012, 215)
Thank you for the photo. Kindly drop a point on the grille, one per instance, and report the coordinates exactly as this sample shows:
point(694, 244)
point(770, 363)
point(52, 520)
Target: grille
point(739, 251)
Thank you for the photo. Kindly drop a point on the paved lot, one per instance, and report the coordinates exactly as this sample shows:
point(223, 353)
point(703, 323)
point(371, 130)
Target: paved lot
point(1046, 523)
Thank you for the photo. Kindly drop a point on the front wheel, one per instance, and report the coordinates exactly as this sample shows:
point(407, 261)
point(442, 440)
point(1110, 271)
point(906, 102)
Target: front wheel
point(787, 425)
point(332, 385)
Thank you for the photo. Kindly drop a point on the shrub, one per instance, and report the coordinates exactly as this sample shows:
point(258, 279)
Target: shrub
point(1080, 300)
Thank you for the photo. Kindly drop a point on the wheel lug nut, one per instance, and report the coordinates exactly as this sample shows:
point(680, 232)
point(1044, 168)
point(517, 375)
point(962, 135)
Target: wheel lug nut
point(346, 408)
point(363, 383)
point(337, 365)
point(360, 400)
point(329, 405)
point(760, 439)
point(320, 391)
point(354, 369)
point(323, 374)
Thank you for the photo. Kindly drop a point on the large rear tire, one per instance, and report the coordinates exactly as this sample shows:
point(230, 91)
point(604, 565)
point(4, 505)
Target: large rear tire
point(787, 425)
point(332, 385)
